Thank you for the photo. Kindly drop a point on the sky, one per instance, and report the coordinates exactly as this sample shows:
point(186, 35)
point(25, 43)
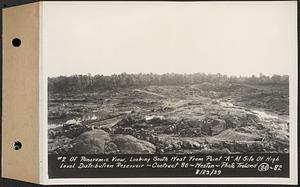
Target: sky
point(232, 38)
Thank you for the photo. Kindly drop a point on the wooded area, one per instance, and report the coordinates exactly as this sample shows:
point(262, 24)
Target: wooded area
point(100, 82)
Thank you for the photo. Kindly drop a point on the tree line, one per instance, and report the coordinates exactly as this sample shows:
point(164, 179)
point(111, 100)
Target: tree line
point(124, 80)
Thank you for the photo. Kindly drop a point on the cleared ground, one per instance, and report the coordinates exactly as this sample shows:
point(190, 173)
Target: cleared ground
point(201, 118)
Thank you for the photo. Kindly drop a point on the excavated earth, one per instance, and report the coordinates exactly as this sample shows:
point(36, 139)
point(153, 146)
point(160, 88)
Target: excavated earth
point(202, 118)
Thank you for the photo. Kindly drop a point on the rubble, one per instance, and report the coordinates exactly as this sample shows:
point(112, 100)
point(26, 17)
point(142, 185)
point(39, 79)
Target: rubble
point(205, 118)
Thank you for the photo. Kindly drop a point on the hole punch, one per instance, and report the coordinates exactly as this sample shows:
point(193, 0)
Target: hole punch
point(17, 145)
point(16, 42)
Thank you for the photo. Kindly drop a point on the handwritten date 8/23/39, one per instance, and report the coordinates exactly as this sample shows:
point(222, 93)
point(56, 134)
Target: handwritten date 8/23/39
point(208, 172)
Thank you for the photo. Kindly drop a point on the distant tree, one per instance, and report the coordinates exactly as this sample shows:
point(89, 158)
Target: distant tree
point(101, 82)
point(276, 78)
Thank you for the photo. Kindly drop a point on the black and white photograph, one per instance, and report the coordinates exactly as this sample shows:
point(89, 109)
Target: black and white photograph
point(170, 78)
point(149, 113)
point(150, 92)
point(190, 85)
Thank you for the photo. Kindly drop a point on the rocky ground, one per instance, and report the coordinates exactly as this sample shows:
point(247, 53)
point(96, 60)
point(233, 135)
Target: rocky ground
point(202, 118)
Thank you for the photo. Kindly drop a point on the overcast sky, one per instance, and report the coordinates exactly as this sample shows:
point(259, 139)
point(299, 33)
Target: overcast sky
point(233, 38)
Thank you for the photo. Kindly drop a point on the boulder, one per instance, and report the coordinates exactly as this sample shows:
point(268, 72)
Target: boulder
point(91, 142)
point(70, 123)
point(190, 144)
point(217, 126)
point(128, 144)
point(156, 120)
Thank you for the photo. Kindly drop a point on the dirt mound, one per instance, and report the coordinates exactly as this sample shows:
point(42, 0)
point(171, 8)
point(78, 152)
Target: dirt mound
point(128, 144)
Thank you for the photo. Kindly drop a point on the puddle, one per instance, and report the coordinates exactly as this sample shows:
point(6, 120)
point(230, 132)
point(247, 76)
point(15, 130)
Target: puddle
point(89, 117)
point(53, 126)
point(260, 113)
point(265, 115)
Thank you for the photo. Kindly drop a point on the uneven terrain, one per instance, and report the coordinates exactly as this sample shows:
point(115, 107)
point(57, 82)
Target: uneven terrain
point(198, 118)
